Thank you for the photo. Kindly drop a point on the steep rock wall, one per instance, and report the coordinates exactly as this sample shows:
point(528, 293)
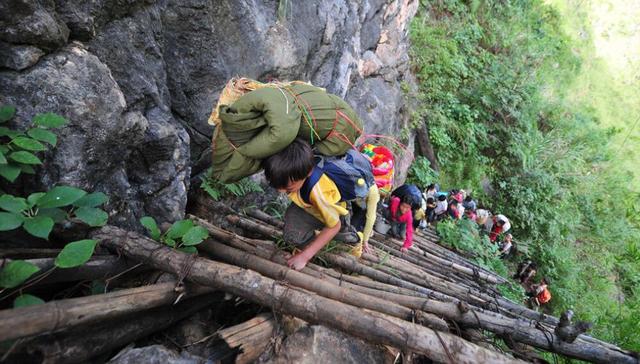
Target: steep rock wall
point(137, 80)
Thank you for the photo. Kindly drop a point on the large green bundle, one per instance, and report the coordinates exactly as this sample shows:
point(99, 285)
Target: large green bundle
point(264, 121)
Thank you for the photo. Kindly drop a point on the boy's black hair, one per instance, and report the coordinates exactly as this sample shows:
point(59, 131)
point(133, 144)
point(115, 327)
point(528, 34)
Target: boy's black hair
point(431, 186)
point(468, 198)
point(430, 200)
point(293, 163)
point(546, 280)
point(442, 198)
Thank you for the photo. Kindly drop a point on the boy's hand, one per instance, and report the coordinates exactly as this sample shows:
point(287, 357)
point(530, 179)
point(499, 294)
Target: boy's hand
point(366, 247)
point(298, 261)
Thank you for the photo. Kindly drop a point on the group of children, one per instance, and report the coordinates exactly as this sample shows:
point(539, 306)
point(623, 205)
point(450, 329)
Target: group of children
point(336, 198)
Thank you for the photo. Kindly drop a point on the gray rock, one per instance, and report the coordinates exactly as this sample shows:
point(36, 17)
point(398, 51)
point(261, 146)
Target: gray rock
point(319, 344)
point(32, 22)
point(18, 57)
point(141, 164)
point(154, 354)
point(86, 18)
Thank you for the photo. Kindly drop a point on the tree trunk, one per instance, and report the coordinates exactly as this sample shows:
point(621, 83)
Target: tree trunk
point(63, 314)
point(372, 326)
point(425, 148)
point(81, 345)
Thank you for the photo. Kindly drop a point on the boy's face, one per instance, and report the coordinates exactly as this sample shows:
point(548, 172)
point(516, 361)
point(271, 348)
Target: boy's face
point(404, 208)
point(293, 186)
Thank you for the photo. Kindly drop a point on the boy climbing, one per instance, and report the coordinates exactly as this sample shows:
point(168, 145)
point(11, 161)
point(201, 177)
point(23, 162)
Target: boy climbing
point(320, 189)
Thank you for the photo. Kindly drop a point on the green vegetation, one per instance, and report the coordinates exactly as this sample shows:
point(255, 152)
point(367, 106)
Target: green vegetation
point(183, 235)
point(39, 212)
point(218, 190)
point(496, 84)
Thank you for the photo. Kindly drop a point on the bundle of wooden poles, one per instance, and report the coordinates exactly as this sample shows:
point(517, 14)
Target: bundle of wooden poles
point(428, 301)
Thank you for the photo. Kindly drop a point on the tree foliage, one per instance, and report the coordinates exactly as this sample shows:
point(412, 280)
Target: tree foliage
point(493, 79)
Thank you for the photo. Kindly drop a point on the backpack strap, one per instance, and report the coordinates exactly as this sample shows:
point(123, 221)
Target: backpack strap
point(309, 183)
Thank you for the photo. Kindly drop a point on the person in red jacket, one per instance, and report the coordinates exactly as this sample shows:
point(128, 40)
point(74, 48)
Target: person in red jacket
point(401, 219)
point(500, 225)
point(540, 293)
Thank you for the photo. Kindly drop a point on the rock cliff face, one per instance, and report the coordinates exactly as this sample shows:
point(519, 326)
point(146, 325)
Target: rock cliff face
point(137, 80)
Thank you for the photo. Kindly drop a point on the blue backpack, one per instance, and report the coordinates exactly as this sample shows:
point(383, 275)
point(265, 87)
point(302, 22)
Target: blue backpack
point(351, 173)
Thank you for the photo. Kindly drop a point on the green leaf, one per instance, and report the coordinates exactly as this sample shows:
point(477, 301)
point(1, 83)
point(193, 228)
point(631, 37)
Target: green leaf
point(24, 157)
point(33, 198)
point(9, 171)
point(60, 196)
point(9, 221)
point(170, 242)
point(195, 236)
point(4, 131)
point(3, 159)
point(43, 135)
point(92, 200)
point(56, 214)
point(188, 249)
point(13, 204)
point(49, 120)
point(92, 216)
point(25, 300)
point(75, 253)
point(179, 228)
point(27, 169)
point(16, 272)
point(39, 226)
point(151, 226)
point(6, 113)
point(29, 144)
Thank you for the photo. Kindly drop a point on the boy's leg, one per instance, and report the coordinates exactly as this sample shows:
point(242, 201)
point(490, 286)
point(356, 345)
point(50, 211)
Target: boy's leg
point(348, 233)
point(299, 227)
point(358, 216)
point(403, 230)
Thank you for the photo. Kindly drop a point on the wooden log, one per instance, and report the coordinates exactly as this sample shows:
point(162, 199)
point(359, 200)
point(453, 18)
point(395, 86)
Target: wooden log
point(28, 253)
point(321, 287)
point(63, 314)
point(79, 346)
point(267, 249)
point(491, 300)
point(249, 339)
point(406, 259)
point(260, 215)
point(425, 257)
point(372, 326)
point(99, 267)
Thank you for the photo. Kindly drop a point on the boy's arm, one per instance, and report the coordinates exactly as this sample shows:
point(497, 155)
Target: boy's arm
point(301, 259)
point(324, 197)
point(372, 203)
